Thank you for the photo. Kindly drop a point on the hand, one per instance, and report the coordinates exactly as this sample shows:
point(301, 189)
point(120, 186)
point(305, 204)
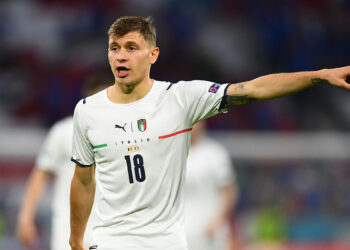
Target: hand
point(212, 228)
point(26, 231)
point(336, 76)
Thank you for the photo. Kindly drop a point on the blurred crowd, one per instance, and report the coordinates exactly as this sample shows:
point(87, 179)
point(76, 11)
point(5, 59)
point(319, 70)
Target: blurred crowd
point(49, 47)
point(296, 201)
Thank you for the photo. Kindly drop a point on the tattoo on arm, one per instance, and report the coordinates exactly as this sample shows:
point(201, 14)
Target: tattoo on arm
point(239, 86)
point(315, 81)
point(230, 101)
point(233, 100)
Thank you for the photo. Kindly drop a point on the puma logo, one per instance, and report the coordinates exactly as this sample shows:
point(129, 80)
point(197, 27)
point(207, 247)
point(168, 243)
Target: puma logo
point(121, 127)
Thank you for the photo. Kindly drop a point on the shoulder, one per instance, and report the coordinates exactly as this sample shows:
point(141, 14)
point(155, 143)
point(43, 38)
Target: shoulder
point(195, 86)
point(210, 145)
point(95, 98)
point(90, 102)
point(217, 155)
point(184, 84)
point(60, 131)
point(162, 86)
point(180, 88)
point(63, 124)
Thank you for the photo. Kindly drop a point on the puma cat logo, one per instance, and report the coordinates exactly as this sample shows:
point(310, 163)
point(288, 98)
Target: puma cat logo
point(121, 127)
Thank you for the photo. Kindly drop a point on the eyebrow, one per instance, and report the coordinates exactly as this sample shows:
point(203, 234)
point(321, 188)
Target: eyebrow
point(113, 44)
point(132, 43)
point(128, 43)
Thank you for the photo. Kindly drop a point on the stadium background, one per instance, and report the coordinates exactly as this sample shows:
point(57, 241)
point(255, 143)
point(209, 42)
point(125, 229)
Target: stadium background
point(292, 154)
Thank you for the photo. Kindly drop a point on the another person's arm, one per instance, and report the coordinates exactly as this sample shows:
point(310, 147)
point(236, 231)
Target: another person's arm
point(227, 202)
point(276, 85)
point(26, 229)
point(47, 162)
point(81, 201)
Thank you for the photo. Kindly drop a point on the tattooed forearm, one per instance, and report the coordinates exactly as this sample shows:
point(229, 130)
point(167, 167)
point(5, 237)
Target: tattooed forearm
point(239, 86)
point(230, 101)
point(315, 81)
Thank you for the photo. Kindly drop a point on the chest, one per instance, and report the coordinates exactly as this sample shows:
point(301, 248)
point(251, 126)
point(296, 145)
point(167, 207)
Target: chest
point(135, 129)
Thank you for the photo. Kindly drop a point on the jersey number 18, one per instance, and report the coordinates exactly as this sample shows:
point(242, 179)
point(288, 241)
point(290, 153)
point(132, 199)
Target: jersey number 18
point(139, 169)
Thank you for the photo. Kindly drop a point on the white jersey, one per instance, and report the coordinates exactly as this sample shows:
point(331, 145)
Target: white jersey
point(55, 157)
point(209, 169)
point(140, 151)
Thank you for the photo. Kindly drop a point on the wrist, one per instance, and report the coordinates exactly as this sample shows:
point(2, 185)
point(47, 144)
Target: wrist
point(76, 243)
point(319, 76)
point(25, 217)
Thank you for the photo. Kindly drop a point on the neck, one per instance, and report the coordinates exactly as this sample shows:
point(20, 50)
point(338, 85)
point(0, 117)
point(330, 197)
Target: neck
point(123, 94)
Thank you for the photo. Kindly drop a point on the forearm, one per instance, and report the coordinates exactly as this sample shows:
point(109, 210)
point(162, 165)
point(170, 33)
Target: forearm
point(35, 186)
point(26, 230)
point(81, 201)
point(271, 86)
point(226, 203)
point(276, 85)
point(228, 199)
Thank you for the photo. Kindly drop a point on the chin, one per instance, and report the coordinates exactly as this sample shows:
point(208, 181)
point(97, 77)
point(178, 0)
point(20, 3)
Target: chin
point(124, 81)
point(128, 81)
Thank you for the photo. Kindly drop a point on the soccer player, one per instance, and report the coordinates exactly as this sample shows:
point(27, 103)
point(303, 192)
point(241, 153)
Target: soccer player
point(210, 191)
point(54, 159)
point(137, 134)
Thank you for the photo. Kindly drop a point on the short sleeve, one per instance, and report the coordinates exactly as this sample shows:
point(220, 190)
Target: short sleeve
point(50, 155)
point(203, 99)
point(82, 150)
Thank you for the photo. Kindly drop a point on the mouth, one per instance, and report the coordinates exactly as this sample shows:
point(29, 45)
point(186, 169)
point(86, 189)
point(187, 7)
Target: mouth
point(122, 71)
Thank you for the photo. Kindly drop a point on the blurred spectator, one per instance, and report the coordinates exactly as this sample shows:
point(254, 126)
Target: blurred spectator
point(48, 46)
point(211, 193)
point(54, 159)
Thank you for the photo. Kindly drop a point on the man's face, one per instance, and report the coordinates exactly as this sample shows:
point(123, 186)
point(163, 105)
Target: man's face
point(131, 57)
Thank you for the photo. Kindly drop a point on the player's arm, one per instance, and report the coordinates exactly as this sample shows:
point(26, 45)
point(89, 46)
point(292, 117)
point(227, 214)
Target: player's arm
point(81, 201)
point(227, 201)
point(276, 85)
point(26, 230)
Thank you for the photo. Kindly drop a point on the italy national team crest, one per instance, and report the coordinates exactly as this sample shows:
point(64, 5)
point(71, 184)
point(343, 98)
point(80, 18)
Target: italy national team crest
point(141, 124)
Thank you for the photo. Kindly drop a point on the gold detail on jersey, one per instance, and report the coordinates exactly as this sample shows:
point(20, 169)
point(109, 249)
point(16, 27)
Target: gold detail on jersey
point(133, 149)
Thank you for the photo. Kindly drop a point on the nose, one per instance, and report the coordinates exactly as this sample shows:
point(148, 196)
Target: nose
point(121, 55)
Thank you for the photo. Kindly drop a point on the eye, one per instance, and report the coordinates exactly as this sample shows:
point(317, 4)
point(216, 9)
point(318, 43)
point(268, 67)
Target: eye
point(132, 48)
point(114, 49)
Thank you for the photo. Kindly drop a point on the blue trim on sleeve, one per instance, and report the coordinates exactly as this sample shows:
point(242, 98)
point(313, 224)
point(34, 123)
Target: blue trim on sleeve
point(81, 165)
point(223, 100)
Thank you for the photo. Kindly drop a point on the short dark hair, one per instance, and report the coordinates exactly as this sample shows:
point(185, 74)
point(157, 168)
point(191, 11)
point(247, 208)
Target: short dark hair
point(126, 24)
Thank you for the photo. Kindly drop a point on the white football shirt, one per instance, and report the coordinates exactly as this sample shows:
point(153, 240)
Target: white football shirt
point(54, 157)
point(209, 169)
point(140, 150)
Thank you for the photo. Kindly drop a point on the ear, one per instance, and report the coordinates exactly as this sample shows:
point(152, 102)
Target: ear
point(154, 55)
